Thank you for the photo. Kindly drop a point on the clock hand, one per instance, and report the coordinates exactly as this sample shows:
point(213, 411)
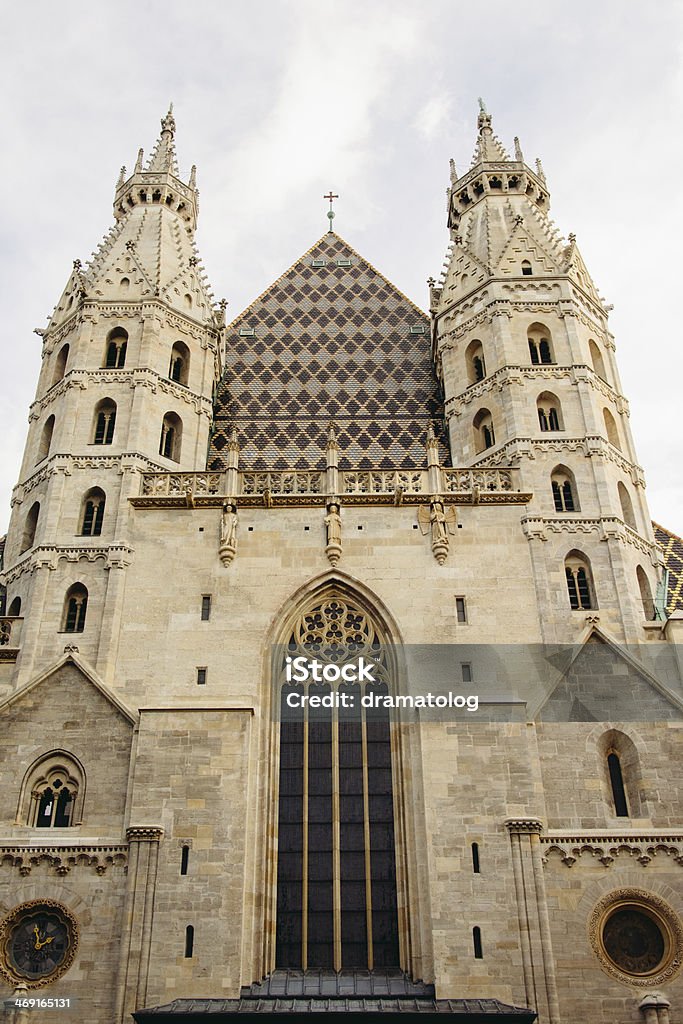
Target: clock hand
point(37, 944)
point(45, 942)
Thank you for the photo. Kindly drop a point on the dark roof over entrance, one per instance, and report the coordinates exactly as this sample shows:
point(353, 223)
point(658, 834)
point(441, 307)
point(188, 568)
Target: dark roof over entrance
point(312, 993)
point(331, 339)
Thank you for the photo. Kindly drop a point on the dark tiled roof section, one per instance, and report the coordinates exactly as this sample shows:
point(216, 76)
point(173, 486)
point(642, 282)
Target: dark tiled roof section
point(672, 547)
point(337, 983)
point(473, 1011)
point(329, 342)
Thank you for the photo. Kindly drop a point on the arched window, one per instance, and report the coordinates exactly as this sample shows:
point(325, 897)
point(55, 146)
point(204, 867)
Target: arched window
point(105, 421)
point(474, 359)
point(540, 344)
point(92, 512)
point(115, 354)
point(621, 774)
point(549, 411)
point(626, 506)
point(179, 367)
point(527, 269)
point(611, 429)
point(171, 437)
point(30, 526)
point(564, 490)
point(46, 439)
point(337, 905)
point(15, 607)
point(60, 364)
point(75, 607)
point(596, 359)
point(645, 594)
point(484, 436)
point(52, 792)
point(579, 581)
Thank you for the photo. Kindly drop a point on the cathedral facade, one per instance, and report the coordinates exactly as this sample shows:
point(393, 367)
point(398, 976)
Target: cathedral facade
point(197, 824)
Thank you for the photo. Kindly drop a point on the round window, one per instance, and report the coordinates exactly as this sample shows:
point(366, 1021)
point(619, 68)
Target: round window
point(38, 941)
point(637, 937)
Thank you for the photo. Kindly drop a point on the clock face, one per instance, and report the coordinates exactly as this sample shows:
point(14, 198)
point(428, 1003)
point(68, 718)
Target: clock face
point(38, 942)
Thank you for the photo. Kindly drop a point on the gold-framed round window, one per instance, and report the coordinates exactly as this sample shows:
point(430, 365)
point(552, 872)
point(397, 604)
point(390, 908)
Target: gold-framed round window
point(637, 937)
point(38, 942)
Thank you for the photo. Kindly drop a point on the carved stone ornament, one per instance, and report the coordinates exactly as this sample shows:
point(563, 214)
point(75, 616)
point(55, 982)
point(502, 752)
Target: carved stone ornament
point(228, 545)
point(441, 520)
point(333, 526)
point(144, 834)
point(637, 937)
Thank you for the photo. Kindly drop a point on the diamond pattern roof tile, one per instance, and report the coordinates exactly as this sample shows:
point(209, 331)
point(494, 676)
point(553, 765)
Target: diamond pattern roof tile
point(330, 342)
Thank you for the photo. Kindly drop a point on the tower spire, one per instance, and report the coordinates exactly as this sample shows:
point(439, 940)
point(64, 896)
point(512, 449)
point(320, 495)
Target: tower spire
point(163, 158)
point(488, 147)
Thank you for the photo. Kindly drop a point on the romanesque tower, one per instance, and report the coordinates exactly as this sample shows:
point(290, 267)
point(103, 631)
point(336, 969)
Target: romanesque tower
point(130, 360)
point(526, 358)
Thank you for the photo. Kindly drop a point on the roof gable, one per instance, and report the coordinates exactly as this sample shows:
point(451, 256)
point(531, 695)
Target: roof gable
point(329, 340)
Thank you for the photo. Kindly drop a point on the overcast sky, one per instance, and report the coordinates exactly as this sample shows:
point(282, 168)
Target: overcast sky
point(278, 101)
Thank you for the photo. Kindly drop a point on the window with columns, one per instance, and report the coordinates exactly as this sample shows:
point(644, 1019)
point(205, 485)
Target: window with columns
point(52, 792)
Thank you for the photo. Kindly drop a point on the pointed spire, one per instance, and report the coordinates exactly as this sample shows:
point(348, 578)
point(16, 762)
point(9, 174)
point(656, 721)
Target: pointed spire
point(488, 147)
point(539, 170)
point(163, 156)
point(192, 183)
point(518, 151)
point(454, 173)
point(122, 177)
point(138, 162)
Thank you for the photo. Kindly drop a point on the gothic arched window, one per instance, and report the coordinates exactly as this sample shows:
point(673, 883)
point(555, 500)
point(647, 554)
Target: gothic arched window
point(117, 344)
point(579, 582)
point(611, 429)
point(171, 436)
point(60, 364)
point(75, 608)
point(46, 439)
point(337, 902)
point(596, 359)
point(621, 773)
point(474, 358)
point(30, 527)
point(52, 792)
point(92, 512)
point(179, 367)
point(540, 344)
point(627, 512)
point(564, 490)
point(549, 413)
point(105, 421)
point(645, 594)
point(484, 436)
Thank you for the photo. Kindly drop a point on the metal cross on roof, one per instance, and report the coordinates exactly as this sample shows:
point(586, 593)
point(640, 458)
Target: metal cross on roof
point(330, 213)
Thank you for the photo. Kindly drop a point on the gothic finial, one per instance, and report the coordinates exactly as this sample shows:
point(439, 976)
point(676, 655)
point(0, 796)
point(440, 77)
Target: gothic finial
point(518, 151)
point(168, 122)
point(330, 213)
point(454, 173)
point(193, 176)
point(138, 162)
point(539, 170)
point(482, 106)
point(331, 433)
point(122, 177)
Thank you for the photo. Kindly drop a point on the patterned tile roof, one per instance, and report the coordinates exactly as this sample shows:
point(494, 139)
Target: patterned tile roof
point(325, 342)
point(672, 546)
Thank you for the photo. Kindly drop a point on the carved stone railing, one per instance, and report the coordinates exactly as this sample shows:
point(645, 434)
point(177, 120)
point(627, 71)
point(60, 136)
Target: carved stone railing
point(180, 484)
point(293, 481)
point(465, 481)
point(313, 487)
point(384, 482)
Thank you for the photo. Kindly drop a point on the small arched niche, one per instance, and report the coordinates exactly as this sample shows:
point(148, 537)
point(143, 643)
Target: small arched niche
point(60, 364)
point(611, 429)
point(116, 348)
point(597, 360)
point(649, 610)
point(627, 512)
point(474, 361)
point(171, 437)
point(30, 526)
point(46, 439)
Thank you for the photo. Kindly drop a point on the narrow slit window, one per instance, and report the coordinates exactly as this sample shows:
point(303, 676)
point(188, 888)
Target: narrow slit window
point(476, 942)
point(201, 676)
point(475, 859)
point(466, 670)
point(616, 779)
point(460, 609)
point(184, 859)
point(206, 607)
point(189, 942)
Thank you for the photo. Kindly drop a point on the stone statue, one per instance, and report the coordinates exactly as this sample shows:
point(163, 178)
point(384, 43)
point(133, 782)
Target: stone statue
point(228, 544)
point(333, 548)
point(441, 520)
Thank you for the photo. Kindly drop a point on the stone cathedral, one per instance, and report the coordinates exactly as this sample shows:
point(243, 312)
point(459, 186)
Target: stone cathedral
point(191, 832)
